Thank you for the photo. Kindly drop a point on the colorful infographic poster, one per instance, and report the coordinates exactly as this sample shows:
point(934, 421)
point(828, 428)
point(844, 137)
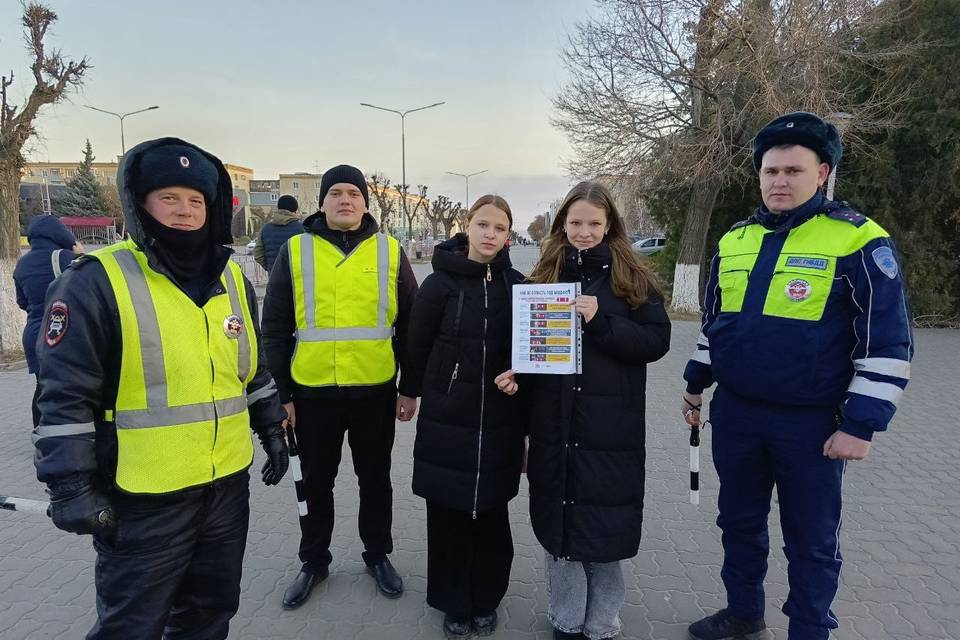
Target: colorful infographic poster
point(546, 330)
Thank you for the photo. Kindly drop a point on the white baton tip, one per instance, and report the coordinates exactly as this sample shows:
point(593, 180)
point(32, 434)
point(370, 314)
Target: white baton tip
point(302, 508)
point(694, 497)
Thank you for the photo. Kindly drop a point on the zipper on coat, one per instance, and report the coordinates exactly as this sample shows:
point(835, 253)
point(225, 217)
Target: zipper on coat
point(483, 395)
point(489, 277)
point(453, 376)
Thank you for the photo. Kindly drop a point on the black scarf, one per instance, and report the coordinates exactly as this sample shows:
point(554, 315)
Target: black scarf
point(187, 254)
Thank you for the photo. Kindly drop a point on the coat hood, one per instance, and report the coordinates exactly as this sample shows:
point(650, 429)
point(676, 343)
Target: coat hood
point(219, 212)
point(47, 232)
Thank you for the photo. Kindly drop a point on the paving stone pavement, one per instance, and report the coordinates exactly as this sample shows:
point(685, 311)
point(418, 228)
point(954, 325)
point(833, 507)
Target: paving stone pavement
point(901, 575)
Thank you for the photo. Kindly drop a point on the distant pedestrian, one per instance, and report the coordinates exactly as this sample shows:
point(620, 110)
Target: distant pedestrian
point(283, 224)
point(52, 248)
point(420, 249)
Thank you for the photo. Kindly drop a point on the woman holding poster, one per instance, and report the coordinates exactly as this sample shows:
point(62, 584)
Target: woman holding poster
point(587, 431)
point(469, 445)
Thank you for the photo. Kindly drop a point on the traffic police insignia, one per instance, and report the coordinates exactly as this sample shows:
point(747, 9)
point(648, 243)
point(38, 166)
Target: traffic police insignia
point(57, 322)
point(184, 161)
point(807, 263)
point(233, 326)
point(798, 290)
point(883, 256)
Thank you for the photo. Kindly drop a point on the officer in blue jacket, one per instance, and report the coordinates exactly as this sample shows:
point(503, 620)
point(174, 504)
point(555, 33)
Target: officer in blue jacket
point(806, 330)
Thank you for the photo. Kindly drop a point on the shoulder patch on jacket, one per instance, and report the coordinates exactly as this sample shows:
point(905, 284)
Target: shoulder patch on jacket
point(884, 259)
point(58, 320)
point(743, 223)
point(844, 213)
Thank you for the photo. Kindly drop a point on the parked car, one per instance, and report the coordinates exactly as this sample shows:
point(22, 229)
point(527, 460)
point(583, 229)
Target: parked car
point(649, 246)
point(252, 245)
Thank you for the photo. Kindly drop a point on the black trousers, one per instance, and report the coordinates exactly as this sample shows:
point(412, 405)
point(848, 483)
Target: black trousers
point(468, 561)
point(369, 424)
point(172, 568)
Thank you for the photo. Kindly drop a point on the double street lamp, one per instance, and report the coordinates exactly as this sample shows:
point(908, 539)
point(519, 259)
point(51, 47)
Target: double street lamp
point(123, 144)
point(403, 136)
point(466, 178)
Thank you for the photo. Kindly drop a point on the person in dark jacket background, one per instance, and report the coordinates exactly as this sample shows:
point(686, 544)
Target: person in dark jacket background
point(469, 445)
point(52, 248)
point(283, 224)
point(587, 431)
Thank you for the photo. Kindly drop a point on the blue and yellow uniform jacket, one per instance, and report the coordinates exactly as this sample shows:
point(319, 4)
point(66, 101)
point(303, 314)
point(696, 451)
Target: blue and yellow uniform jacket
point(808, 308)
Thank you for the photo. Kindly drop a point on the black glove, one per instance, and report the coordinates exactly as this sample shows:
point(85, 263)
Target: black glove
point(272, 439)
point(77, 506)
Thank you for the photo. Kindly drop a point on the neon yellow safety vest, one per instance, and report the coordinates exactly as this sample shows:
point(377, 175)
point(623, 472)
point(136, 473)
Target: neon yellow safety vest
point(181, 411)
point(804, 271)
point(345, 309)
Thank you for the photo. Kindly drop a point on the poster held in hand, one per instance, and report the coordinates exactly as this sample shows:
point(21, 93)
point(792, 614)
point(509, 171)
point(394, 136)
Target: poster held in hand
point(546, 329)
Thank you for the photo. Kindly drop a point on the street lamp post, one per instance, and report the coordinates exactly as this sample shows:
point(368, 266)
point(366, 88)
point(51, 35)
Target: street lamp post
point(403, 140)
point(466, 178)
point(123, 144)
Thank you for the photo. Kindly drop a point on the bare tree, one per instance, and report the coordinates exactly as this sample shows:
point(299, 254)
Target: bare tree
point(421, 204)
point(380, 186)
point(53, 77)
point(451, 217)
point(436, 214)
point(675, 89)
point(537, 229)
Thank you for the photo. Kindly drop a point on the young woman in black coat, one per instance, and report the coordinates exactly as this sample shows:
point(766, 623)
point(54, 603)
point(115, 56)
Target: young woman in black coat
point(587, 431)
point(469, 446)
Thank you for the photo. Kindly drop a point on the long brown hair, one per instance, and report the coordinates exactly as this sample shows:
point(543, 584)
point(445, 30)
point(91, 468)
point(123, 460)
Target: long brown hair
point(631, 279)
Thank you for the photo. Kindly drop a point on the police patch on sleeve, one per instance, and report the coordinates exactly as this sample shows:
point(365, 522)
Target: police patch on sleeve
point(886, 262)
point(57, 322)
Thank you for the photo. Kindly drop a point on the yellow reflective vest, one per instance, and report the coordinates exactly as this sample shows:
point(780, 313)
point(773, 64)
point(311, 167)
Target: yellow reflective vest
point(181, 410)
point(805, 268)
point(345, 308)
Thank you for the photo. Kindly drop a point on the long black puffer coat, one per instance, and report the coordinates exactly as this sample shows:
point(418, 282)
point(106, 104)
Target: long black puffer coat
point(469, 445)
point(587, 431)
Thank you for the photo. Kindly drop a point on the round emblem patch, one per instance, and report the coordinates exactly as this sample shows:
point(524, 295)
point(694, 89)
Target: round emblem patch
point(184, 161)
point(57, 322)
point(798, 290)
point(233, 326)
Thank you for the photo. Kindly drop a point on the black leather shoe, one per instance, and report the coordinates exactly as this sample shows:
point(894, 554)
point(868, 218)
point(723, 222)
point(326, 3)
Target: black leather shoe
point(389, 582)
point(299, 590)
point(725, 626)
point(455, 628)
point(485, 624)
point(563, 635)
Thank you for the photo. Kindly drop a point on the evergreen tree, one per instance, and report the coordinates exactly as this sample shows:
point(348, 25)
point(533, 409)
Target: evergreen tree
point(83, 195)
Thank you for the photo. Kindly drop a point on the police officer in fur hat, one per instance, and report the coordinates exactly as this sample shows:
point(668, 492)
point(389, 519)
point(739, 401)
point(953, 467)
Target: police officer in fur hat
point(152, 378)
point(806, 331)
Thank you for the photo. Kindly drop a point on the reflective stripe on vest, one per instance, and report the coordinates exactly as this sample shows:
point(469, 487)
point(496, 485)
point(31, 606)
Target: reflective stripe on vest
point(345, 307)
point(804, 271)
point(181, 409)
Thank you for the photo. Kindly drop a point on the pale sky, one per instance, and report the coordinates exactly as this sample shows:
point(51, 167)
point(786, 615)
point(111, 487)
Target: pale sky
point(276, 86)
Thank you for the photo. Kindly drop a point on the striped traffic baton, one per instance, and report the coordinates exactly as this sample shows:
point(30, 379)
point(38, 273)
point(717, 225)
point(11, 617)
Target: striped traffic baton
point(12, 503)
point(294, 452)
point(695, 464)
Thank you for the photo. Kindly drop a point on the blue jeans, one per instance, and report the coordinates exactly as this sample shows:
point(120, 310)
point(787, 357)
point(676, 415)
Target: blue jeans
point(585, 597)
